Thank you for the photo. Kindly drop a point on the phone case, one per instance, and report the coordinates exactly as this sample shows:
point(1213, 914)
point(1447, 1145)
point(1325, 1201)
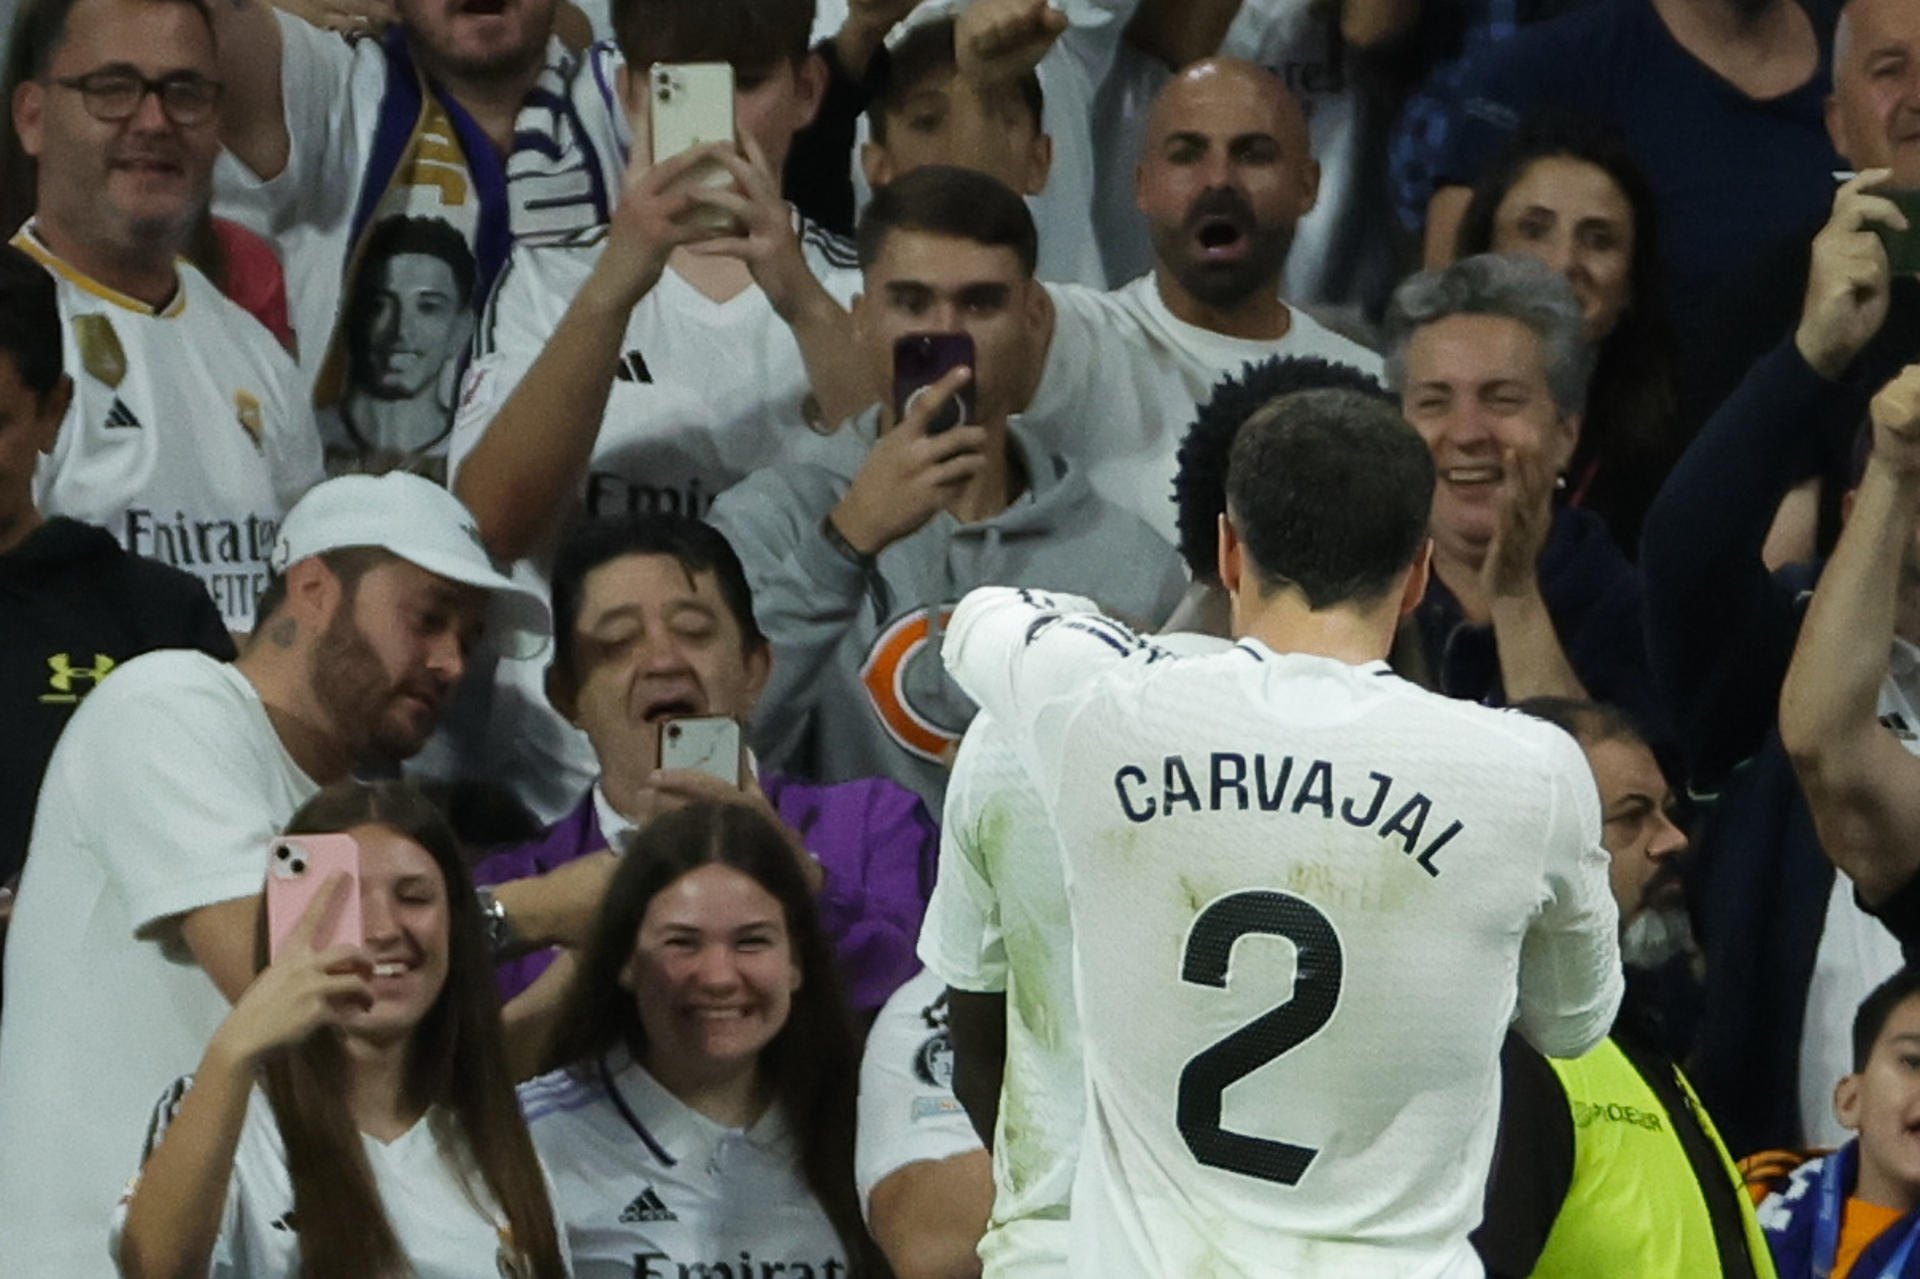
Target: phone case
point(707, 744)
point(298, 867)
point(1903, 247)
point(690, 104)
point(920, 360)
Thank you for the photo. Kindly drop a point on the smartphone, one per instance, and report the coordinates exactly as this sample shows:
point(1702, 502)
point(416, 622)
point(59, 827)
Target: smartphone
point(298, 867)
point(920, 360)
point(707, 744)
point(690, 104)
point(1903, 247)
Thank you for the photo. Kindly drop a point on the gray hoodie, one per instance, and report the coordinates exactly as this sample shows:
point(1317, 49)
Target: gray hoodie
point(858, 688)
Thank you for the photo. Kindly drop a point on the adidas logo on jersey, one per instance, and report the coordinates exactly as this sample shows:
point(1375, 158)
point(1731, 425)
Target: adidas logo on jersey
point(647, 1206)
point(633, 368)
point(120, 417)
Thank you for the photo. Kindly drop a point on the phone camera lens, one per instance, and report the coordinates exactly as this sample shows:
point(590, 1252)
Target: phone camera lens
point(298, 866)
point(673, 731)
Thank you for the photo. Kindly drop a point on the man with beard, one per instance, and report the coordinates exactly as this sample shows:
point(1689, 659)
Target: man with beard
point(1607, 1166)
point(140, 909)
point(1225, 175)
point(187, 436)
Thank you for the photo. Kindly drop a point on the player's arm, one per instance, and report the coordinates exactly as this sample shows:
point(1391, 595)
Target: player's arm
point(928, 1217)
point(531, 458)
point(978, 1023)
point(1010, 648)
point(1861, 783)
point(253, 122)
point(1570, 975)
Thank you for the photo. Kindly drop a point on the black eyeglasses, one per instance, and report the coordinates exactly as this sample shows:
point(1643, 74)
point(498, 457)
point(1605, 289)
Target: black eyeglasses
point(114, 94)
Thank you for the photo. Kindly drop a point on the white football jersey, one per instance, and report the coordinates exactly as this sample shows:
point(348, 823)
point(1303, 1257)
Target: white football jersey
point(189, 435)
point(1307, 899)
point(705, 394)
point(908, 1113)
point(649, 1188)
point(1123, 379)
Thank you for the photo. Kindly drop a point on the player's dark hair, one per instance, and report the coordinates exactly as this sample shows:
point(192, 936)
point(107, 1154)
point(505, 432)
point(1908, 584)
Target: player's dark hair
point(697, 546)
point(1200, 483)
point(926, 53)
point(30, 321)
point(945, 199)
point(754, 36)
point(812, 1064)
point(348, 563)
point(1585, 721)
point(1871, 1018)
point(1329, 492)
point(39, 29)
point(457, 1073)
point(429, 237)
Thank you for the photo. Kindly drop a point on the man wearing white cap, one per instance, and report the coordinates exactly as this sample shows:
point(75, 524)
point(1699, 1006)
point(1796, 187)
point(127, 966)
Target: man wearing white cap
point(139, 903)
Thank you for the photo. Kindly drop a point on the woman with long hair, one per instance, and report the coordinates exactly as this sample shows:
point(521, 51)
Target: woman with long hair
point(702, 1113)
point(1568, 192)
point(354, 1113)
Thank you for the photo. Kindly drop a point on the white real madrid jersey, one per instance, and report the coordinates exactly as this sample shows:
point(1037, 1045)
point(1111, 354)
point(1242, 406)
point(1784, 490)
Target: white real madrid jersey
point(908, 1113)
point(1307, 899)
point(706, 393)
point(649, 1188)
point(444, 1217)
point(188, 437)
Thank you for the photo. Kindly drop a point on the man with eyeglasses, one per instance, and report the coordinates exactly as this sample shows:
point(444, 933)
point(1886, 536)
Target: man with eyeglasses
point(188, 437)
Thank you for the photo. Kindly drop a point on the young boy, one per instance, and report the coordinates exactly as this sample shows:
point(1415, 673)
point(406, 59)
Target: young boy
point(1853, 1212)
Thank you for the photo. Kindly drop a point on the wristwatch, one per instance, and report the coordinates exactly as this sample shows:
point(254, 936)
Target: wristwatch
point(500, 934)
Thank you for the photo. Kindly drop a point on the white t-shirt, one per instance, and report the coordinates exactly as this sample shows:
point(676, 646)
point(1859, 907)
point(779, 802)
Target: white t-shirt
point(1123, 377)
point(446, 1220)
point(651, 1189)
point(1307, 899)
point(160, 798)
point(334, 92)
point(706, 393)
point(187, 438)
point(908, 1113)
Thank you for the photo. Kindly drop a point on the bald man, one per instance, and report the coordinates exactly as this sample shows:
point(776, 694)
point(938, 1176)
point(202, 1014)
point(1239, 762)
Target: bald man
point(1225, 175)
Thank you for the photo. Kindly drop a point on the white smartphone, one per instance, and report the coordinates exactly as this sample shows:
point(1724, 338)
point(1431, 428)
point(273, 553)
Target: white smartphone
point(707, 744)
point(690, 104)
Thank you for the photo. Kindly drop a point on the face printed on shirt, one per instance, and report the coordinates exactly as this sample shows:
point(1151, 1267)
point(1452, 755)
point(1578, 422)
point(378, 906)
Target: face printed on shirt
point(1882, 1103)
point(1226, 175)
point(391, 655)
point(130, 187)
point(404, 917)
point(713, 976)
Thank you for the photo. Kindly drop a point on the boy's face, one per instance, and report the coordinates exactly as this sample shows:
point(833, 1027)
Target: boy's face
point(926, 129)
point(1882, 1104)
point(28, 425)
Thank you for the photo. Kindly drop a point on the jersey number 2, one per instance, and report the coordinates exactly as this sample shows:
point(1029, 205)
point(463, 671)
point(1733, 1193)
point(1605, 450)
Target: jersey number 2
point(1316, 990)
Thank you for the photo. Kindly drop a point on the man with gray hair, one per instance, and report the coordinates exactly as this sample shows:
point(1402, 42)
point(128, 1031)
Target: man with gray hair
point(1530, 597)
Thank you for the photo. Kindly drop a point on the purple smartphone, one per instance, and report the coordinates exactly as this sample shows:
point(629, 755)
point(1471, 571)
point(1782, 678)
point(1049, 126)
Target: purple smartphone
point(920, 360)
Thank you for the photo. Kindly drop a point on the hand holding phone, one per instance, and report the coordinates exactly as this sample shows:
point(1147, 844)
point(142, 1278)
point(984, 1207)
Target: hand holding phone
point(298, 868)
point(690, 104)
point(707, 744)
point(919, 361)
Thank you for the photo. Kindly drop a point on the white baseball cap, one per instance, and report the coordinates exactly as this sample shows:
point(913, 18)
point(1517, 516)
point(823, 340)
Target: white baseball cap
point(423, 524)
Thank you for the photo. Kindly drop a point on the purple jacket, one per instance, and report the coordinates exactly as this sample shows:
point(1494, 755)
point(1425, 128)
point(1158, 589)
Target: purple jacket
point(874, 838)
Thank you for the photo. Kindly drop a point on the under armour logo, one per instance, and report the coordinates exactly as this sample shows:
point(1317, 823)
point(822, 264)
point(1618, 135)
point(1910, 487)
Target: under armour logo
point(66, 674)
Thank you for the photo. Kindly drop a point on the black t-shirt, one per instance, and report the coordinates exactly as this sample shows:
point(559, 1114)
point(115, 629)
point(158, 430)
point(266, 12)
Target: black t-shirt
point(74, 605)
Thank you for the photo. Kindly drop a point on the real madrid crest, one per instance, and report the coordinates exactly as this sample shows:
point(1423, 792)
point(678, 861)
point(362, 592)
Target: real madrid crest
point(247, 409)
point(101, 354)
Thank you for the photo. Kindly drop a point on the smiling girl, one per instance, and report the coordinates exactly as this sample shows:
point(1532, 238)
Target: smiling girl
point(704, 1114)
point(354, 1114)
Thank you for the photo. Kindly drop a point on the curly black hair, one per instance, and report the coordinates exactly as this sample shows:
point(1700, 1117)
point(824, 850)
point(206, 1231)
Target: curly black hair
point(1200, 485)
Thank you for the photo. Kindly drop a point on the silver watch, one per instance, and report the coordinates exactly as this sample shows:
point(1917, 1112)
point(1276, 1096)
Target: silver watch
point(500, 934)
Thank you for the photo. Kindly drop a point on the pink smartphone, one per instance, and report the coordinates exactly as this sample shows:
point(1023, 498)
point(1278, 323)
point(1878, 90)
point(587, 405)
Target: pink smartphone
point(298, 867)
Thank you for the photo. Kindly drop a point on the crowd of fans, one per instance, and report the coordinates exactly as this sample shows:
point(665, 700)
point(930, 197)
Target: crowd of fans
point(393, 442)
